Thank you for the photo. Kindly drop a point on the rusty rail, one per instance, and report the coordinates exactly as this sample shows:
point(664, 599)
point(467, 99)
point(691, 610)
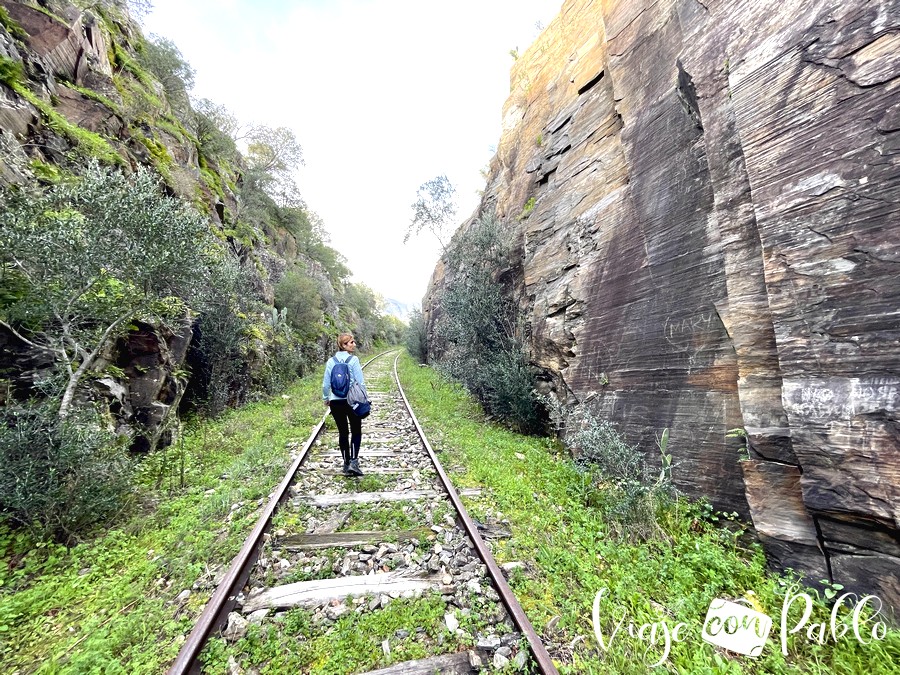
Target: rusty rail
point(541, 657)
point(222, 601)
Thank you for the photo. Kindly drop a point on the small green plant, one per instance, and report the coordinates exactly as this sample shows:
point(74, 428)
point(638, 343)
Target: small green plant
point(540, 140)
point(618, 479)
point(830, 589)
point(528, 208)
point(744, 449)
point(49, 173)
point(12, 73)
point(114, 371)
point(277, 319)
point(11, 25)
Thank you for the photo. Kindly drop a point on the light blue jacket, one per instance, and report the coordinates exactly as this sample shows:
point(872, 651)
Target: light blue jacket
point(356, 374)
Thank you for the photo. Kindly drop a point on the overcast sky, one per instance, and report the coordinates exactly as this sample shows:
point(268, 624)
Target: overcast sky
point(382, 95)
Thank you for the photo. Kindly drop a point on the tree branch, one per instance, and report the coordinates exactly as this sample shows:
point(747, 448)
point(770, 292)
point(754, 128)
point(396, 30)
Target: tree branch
point(87, 362)
point(24, 339)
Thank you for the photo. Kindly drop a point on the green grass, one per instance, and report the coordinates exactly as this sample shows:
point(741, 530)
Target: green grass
point(11, 26)
point(353, 644)
point(572, 551)
point(86, 143)
point(107, 605)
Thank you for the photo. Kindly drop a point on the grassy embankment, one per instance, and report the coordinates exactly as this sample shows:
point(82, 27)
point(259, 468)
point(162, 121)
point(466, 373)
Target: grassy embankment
point(109, 605)
point(560, 531)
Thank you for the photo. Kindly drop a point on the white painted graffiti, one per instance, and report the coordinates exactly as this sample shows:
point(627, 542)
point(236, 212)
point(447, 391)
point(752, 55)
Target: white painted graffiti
point(840, 398)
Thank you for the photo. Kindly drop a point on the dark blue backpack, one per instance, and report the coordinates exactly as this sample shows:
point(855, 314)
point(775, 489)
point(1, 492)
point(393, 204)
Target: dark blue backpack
point(340, 377)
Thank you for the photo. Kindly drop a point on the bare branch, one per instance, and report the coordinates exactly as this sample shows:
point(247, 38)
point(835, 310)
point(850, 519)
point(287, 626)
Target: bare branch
point(24, 339)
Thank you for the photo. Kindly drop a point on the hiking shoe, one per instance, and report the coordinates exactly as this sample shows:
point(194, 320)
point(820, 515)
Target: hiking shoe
point(354, 468)
point(346, 469)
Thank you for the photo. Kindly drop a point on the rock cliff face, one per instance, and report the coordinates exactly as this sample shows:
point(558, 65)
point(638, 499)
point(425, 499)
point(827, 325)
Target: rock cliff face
point(72, 89)
point(712, 244)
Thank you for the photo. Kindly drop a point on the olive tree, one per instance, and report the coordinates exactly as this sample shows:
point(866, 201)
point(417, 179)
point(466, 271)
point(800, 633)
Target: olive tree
point(163, 58)
point(89, 255)
point(434, 210)
point(478, 334)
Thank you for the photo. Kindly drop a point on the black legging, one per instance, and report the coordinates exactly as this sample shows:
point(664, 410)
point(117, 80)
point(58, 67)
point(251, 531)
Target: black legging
point(342, 414)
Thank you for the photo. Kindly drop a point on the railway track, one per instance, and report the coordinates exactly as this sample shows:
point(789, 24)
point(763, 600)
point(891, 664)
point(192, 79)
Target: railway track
point(332, 546)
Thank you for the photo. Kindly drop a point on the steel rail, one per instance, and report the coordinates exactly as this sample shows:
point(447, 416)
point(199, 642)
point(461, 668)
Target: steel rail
point(541, 656)
point(222, 601)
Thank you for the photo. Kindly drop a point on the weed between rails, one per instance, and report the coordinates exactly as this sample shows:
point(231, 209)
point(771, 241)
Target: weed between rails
point(566, 531)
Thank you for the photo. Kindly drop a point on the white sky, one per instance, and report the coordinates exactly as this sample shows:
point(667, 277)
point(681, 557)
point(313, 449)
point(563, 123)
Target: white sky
point(382, 95)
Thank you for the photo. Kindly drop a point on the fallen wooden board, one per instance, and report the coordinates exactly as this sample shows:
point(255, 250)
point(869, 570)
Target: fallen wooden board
point(336, 466)
point(310, 542)
point(370, 497)
point(369, 453)
point(455, 664)
point(305, 593)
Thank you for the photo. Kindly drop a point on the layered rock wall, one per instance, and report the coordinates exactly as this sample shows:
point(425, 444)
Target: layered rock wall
point(713, 245)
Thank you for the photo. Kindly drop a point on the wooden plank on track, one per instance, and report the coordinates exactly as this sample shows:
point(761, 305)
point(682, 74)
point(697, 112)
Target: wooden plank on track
point(455, 664)
point(309, 542)
point(304, 593)
point(366, 497)
point(385, 470)
point(370, 497)
point(371, 453)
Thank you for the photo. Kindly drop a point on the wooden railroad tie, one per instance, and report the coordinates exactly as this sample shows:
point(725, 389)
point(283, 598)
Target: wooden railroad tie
point(306, 593)
point(370, 497)
point(311, 542)
point(449, 664)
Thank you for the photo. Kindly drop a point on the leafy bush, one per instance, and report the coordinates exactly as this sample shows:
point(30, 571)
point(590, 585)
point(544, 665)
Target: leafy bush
point(214, 128)
point(619, 479)
point(60, 476)
point(285, 359)
point(92, 254)
point(299, 294)
point(163, 58)
point(416, 339)
point(478, 337)
point(218, 354)
point(285, 362)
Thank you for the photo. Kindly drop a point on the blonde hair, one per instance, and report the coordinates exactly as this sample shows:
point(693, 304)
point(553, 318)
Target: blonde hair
point(344, 340)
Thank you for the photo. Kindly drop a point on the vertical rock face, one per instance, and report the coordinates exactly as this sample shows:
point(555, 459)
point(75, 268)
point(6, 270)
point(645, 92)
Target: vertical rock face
point(713, 245)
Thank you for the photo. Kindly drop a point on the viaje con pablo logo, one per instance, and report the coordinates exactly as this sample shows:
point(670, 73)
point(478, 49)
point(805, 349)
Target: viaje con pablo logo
point(745, 629)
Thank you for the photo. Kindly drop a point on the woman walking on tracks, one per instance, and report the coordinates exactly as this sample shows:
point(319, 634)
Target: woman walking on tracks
point(341, 370)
